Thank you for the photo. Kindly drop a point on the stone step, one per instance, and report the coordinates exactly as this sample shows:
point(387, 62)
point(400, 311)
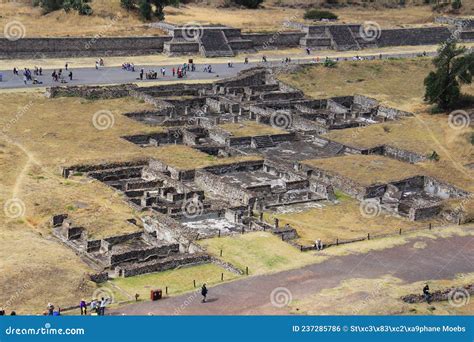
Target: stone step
point(262, 142)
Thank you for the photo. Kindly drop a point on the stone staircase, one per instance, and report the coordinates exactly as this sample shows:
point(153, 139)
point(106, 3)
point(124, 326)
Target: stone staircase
point(263, 141)
point(213, 43)
point(342, 38)
point(332, 148)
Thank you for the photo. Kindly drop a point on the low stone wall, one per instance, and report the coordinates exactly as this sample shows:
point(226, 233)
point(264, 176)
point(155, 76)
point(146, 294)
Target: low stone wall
point(81, 47)
point(92, 92)
point(274, 40)
point(162, 265)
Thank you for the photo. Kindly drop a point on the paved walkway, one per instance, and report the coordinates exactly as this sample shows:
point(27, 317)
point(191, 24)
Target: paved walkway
point(442, 258)
point(115, 75)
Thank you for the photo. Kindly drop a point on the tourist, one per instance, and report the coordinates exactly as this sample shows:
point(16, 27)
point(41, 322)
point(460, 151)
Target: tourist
point(102, 306)
point(94, 306)
point(50, 309)
point(204, 293)
point(66, 66)
point(25, 79)
point(427, 294)
point(70, 75)
point(96, 65)
point(15, 71)
point(308, 51)
point(264, 59)
point(173, 71)
point(83, 307)
point(141, 73)
point(246, 60)
point(40, 71)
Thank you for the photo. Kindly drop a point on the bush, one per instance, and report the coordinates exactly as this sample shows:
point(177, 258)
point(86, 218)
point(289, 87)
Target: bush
point(145, 10)
point(456, 4)
point(316, 14)
point(248, 3)
point(127, 4)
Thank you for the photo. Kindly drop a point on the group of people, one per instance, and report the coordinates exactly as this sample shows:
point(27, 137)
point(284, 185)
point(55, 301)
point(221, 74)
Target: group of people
point(52, 311)
point(97, 307)
point(59, 77)
point(99, 63)
point(128, 66)
point(28, 75)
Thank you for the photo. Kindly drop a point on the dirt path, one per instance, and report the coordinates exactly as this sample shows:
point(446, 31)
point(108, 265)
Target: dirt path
point(442, 258)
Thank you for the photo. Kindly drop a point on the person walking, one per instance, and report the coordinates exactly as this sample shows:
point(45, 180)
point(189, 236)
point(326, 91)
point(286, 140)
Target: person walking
point(427, 294)
point(83, 307)
point(204, 292)
point(70, 75)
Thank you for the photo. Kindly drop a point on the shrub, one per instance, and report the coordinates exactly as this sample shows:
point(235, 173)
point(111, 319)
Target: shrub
point(248, 3)
point(145, 10)
point(127, 4)
point(456, 4)
point(316, 14)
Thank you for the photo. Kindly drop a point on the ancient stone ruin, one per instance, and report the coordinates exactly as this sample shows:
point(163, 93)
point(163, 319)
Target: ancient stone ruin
point(274, 129)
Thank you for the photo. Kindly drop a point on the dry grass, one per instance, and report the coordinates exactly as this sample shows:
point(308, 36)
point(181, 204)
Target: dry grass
point(273, 15)
point(250, 129)
point(343, 221)
point(381, 296)
point(108, 19)
point(366, 169)
point(261, 252)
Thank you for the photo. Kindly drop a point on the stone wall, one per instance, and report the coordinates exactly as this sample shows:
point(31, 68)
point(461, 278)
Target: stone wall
point(92, 92)
point(235, 194)
point(81, 47)
point(162, 265)
point(274, 40)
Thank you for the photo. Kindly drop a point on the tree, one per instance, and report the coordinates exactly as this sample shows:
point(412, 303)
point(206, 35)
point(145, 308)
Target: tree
point(453, 68)
point(145, 9)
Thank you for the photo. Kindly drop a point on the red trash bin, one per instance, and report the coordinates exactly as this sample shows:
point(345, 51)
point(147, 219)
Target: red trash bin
point(156, 294)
